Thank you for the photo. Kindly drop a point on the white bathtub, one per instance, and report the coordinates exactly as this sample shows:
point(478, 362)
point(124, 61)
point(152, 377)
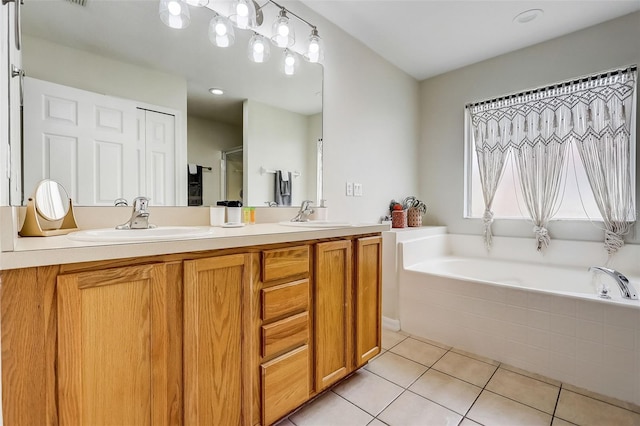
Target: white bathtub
point(539, 313)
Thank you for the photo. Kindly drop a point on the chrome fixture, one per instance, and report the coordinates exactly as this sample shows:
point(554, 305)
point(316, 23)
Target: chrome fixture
point(304, 212)
point(121, 202)
point(248, 15)
point(626, 289)
point(271, 203)
point(282, 31)
point(139, 216)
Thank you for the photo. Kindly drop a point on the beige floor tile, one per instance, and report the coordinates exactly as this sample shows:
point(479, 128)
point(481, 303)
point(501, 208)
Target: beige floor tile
point(468, 422)
point(391, 338)
point(526, 390)
point(585, 411)
point(465, 368)
point(454, 394)
point(474, 356)
point(496, 410)
point(397, 369)
point(559, 422)
point(431, 342)
point(284, 422)
point(376, 422)
point(369, 392)
point(411, 409)
point(613, 401)
point(417, 351)
point(532, 375)
point(330, 409)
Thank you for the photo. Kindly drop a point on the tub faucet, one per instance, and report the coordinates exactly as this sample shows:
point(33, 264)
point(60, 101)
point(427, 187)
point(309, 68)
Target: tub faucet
point(304, 212)
point(627, 290)
point(139, 216)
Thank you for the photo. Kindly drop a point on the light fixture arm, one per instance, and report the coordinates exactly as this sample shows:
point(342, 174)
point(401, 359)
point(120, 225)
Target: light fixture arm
point(313, 27)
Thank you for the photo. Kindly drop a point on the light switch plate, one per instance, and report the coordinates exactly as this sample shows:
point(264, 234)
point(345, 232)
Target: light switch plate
point(357, 189)
point(349, 189)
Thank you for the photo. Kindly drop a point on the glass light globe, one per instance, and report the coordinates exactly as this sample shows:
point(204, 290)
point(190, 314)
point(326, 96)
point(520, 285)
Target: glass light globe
point(221, 31)
point(174, 14)
point(283, 34)
point(259, 49)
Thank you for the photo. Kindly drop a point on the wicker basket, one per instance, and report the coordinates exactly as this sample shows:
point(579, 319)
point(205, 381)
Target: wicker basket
point(399, 219)
point(414, 217)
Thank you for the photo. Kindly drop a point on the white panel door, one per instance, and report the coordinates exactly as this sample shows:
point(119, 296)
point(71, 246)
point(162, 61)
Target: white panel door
point(160, 146)
point(84, 140)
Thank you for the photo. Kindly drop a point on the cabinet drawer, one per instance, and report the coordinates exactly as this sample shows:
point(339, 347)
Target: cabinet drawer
point(285, 299)
point(285, 384)
point(285, 334)
point(285, 263)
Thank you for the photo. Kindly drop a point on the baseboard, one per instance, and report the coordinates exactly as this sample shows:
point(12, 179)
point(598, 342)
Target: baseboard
point(391, 324)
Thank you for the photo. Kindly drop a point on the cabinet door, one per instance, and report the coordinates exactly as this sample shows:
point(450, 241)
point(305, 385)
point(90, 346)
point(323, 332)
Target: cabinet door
point(332, 312)
point(216, 309)
point(368, 303)
point(113, 346)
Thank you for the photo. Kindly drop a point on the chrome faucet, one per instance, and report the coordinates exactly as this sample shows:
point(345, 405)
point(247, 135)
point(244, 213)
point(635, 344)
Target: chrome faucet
point(139, 217)
point(626, 289)
point(304, 212)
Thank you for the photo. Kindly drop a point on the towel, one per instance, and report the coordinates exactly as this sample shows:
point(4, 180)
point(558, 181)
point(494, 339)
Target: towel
point(193, 169)
point(285, 175)
point(282, 195)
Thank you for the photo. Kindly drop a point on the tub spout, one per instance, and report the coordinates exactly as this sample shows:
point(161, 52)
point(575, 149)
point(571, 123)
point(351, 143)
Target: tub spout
point(627, 290)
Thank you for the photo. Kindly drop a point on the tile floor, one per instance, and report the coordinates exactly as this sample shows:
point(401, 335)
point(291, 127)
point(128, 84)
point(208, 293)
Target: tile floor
point(420, 382)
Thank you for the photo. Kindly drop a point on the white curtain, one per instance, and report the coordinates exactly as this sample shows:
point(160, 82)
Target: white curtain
point(538, 126)
point(602, 115)
point(491, 146)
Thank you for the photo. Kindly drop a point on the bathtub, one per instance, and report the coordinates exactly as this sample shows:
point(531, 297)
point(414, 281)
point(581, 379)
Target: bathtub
point(536, 312)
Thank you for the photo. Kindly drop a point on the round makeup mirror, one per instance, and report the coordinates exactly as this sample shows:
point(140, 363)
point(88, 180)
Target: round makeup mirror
point(52, 200)
point(49, 212)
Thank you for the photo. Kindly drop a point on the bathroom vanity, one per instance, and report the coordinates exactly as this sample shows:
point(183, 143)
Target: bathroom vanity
point(241, 327)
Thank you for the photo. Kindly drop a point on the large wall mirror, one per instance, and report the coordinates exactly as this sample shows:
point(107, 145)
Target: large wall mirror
point(116, 104)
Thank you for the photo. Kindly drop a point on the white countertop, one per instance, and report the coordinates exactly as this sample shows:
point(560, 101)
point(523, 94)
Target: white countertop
point(41, 251)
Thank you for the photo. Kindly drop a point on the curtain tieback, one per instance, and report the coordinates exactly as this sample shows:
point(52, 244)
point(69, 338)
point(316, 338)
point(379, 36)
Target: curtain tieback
point(612, 241)
point(542, 235)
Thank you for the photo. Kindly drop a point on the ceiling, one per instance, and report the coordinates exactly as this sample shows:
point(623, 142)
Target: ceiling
point(429, 37)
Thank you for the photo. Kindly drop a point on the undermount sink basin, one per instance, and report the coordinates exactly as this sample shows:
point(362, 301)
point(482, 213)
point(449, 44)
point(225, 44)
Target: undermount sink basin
point(140, 235)
point(316, 224)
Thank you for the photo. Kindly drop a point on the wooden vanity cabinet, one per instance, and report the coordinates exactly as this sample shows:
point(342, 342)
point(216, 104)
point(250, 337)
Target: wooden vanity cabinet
point(230, 337)
point(284, 323)
point(216, 363)
point(368, 299)
point(113, 346)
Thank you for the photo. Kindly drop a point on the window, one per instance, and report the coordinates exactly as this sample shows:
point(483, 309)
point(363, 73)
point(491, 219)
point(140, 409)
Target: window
point(566, 151)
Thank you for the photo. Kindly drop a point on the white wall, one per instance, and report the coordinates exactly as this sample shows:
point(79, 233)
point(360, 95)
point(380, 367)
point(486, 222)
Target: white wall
point(276, 139)
point(207, 140)
point(440, 162)
point(370, 125)
point(314, 132)
point(76, 68)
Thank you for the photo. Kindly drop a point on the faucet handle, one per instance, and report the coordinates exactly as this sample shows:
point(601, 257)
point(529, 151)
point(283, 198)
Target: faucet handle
point(140, 203)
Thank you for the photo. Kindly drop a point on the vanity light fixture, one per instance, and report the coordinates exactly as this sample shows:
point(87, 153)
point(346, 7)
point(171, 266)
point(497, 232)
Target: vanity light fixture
point(259, 49)
point(216, 91)
point(282, 30)
point(175, 13)
point(221, 31)
point(528, 16)
point(247, 14)
point(315, 47)
point(289, 62)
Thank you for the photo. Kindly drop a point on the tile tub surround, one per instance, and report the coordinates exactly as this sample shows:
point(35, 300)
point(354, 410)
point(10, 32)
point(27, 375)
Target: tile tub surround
point(453, 387)
point(589, 343)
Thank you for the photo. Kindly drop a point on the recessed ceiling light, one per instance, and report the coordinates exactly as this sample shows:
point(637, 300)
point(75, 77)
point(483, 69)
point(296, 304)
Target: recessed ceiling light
point(216, 91)
point(528, 16)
